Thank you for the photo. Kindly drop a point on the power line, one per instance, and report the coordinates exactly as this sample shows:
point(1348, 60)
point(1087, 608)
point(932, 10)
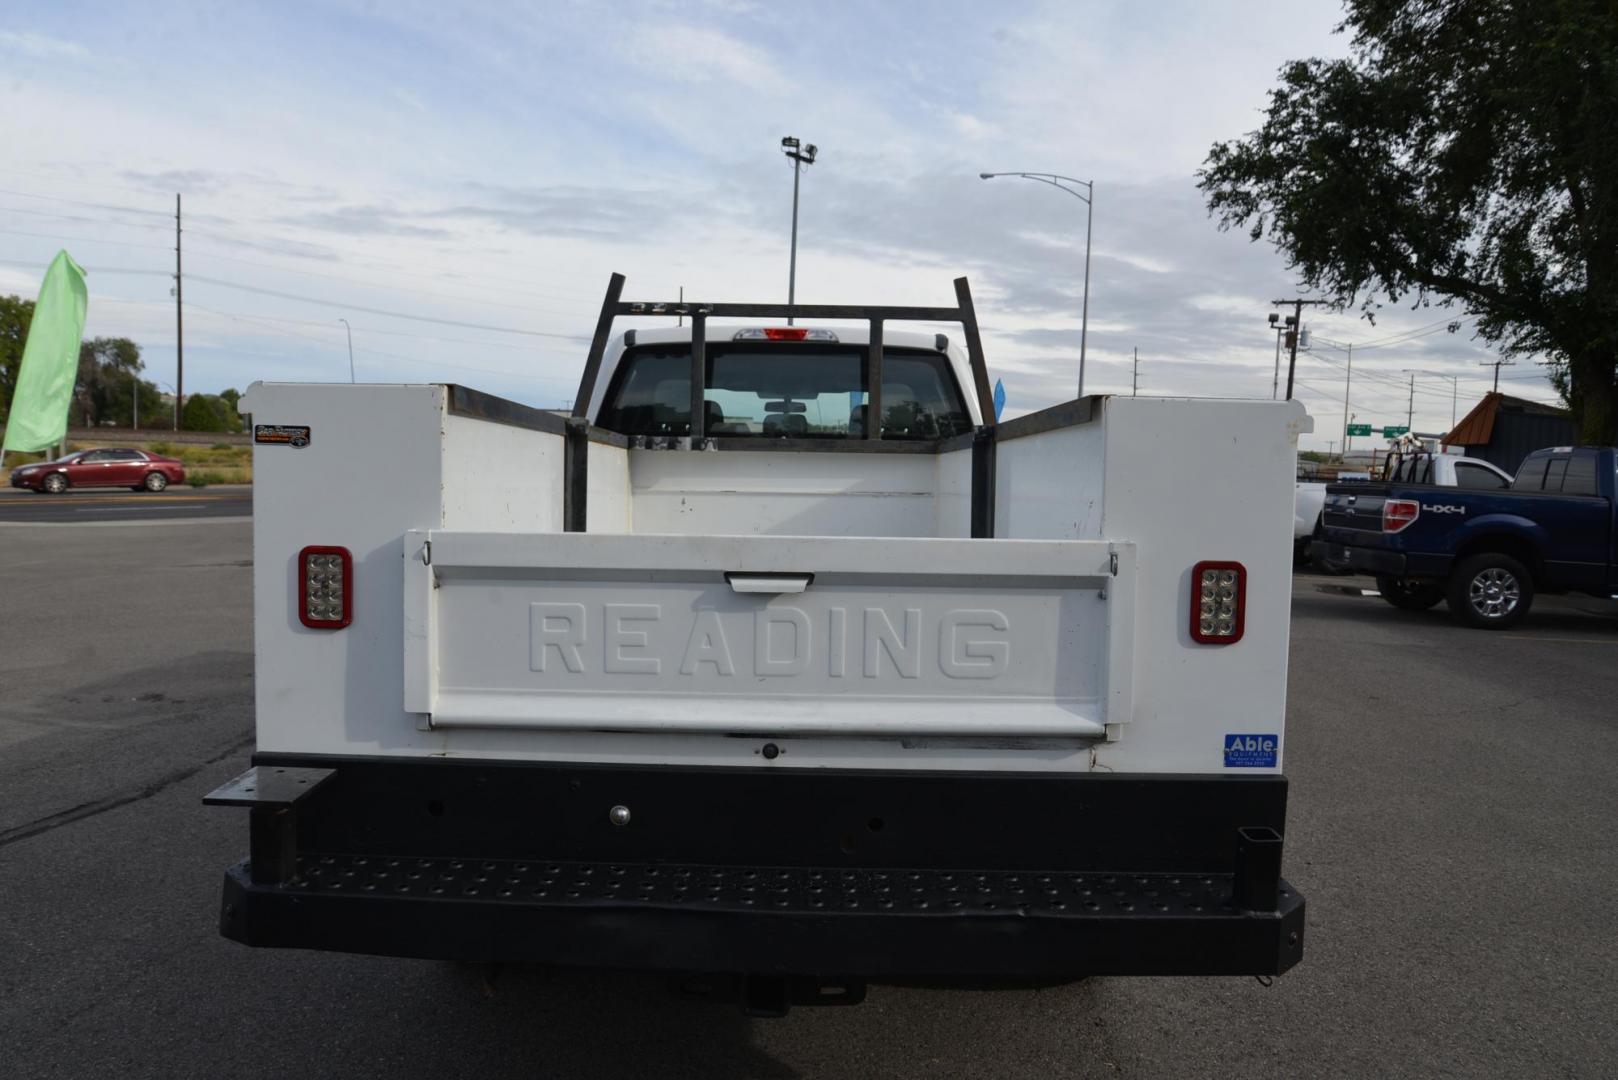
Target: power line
point(58, 239)
point(458, 297)
point(82, 202)
point(206, 231)
point(84, 220)
point(1396, 336)
point(365, 329)
point(366, 349)
point(383, 311)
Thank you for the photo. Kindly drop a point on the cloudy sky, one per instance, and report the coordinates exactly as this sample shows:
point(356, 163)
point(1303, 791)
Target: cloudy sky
point(459, 184)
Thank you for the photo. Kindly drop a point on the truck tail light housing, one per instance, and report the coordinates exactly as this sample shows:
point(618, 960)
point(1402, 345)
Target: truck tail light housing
point(1397, 514)
point(1218, 594)
point(325, 587)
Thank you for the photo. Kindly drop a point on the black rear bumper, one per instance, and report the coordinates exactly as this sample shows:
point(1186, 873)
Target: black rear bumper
point(800, 873)
point(1368, 560)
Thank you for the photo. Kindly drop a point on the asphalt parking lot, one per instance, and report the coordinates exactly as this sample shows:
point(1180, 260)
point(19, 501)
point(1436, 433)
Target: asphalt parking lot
point(1453, 801)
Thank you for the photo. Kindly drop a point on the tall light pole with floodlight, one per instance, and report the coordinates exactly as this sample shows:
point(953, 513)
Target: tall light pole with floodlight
point(1088, 195)
point(800, 155)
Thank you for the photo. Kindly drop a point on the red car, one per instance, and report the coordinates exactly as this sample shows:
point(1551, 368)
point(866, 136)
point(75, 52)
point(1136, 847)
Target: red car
point(135, 469)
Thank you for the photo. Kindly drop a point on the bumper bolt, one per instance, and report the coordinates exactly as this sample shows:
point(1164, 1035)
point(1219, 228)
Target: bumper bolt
point(618, 815)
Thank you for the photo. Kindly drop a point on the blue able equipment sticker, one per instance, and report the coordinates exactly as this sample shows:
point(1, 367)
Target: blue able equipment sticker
point(1251, 751)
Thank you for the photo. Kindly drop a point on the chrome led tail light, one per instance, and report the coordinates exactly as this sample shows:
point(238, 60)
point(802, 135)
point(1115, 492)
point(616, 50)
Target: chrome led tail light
point(1218, 591)
point(325, 593)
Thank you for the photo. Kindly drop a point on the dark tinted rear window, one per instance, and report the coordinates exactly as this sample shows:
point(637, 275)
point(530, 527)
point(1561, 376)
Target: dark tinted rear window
point(1531, 476)
point(1581, 474)
point(1477, 477)
point(799, 391)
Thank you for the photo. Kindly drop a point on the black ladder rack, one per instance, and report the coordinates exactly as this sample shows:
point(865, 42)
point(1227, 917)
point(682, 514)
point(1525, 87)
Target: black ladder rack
point(875, 316)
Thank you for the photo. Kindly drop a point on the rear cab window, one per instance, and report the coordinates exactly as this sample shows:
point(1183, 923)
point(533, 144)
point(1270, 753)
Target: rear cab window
point(1580, 478)
point(1477, 477)
point(784, 391)
point(1531, 475)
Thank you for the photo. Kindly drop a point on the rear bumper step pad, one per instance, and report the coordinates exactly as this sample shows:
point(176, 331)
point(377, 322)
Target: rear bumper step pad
point(803, 921)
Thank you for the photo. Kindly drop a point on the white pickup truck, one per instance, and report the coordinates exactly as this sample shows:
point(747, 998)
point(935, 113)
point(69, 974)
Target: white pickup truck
point(779, 661)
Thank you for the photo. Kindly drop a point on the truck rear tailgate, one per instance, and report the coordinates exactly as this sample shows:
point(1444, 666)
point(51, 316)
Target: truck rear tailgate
point(769, 634)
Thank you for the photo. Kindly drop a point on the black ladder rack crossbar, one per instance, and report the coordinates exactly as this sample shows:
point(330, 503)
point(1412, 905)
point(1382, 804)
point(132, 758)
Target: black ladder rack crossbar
point(876, 316)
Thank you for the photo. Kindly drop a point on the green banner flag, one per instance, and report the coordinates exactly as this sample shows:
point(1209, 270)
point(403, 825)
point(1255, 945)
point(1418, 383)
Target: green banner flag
point(50, 360)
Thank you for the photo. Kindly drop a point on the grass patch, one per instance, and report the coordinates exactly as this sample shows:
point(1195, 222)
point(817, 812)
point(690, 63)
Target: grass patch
point(240, 474)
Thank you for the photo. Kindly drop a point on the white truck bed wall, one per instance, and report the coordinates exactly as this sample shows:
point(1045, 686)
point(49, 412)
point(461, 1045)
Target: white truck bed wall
point(1166, 482)
point(609, 504)
point(784, 494)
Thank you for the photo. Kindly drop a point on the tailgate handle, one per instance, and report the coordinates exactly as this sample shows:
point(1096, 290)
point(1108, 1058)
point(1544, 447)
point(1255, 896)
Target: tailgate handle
point(769, 584)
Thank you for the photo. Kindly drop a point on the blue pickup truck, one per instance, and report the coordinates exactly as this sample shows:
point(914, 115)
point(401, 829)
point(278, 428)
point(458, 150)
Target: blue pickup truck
point(1485, 552)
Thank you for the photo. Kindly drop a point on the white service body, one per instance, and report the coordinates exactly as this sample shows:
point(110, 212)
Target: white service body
point(830, 603)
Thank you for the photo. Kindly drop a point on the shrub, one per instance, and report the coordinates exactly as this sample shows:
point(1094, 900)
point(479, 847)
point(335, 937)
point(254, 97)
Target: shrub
point(221, 446)
point(239, 474)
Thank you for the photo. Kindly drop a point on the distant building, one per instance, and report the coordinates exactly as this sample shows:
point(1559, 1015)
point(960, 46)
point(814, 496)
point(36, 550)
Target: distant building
point(1503, 430)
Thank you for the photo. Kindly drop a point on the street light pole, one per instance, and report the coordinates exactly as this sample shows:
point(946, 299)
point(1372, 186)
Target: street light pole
point(1275, 379)
point(800, 156)
point(1454, 388)
point(350, 330)
point(1060, 182)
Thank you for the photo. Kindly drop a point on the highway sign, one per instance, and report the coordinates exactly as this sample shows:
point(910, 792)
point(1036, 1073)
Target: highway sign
point(1392, 430)
point(1359, 429)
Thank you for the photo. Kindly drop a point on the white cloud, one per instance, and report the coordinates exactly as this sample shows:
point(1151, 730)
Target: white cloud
point(563, 144)
point(41, 47)
point(698, 54)
point(971, 126)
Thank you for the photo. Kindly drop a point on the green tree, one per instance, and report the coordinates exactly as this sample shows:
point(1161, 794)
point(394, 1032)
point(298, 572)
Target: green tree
point(109, 375)
point(231, 398)
point(1465, 153)
point(203, 412)
point(15, 316)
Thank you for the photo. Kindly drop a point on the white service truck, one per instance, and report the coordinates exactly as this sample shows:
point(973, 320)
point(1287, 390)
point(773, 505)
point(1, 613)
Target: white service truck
point(779, 662)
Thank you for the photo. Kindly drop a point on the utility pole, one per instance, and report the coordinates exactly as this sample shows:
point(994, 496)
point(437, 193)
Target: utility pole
point(680, 319)
point(800, 156)
point(179, 321)
point(1347, 379)
point(1134, 387)
point(1297, 329)
point(1497, 365)
point(134, 401)
point(1410, 410)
